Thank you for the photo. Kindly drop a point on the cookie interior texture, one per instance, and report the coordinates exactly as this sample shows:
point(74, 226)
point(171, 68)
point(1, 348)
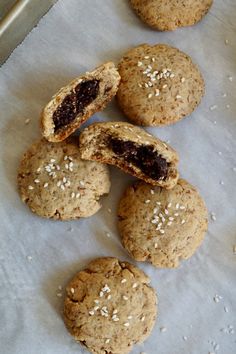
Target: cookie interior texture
point(73, 104)
point(144, 157)
point(169, 15)
point(162, 227)
point(109, 306)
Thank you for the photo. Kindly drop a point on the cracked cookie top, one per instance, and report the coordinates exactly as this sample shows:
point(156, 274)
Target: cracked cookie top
point(55, 183)
point(162, 226)
point(109, 306)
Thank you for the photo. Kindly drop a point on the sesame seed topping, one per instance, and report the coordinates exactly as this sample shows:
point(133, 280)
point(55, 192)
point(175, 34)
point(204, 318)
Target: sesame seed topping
point(126, 324)
point(101, 294)
point(31, 187)
point(183, 221)
point(152, 191)
point(65, 157)
point(140, 63)
point(164, 86)
point(185, 338)
point(153, 59)
point(230, 78)
point(147, 201)
point(72, 290)
point(169, 205)
point(213, 216)
point(178, 97)
point(36, 181)
point(146, 57)
point(142, 319)
point(39, 169)
point(96, 301)
point(96, 308)
point(130, 317)
point(107, 341)
point(123, 281)
point(134, 285)
point(156, 245)
point(183, 79)
point(150, 95)
point(72, 195)
point(77, 195)
point(27, 121)
point(115, 312)
point(45, 185)
point(91, 313)
point(109, 297)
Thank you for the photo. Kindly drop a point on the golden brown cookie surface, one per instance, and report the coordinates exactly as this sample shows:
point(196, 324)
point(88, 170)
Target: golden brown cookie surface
point(162, 227)
point(55, 183)
point(109, 306)
point(168, 15)
point(159, 85)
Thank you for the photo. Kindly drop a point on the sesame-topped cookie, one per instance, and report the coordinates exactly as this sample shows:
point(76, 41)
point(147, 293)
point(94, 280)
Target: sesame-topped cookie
point(70, 107)
point(159, 85)
point(109, 306)
point(172, 14)
point(56, 183)
point(133, 150)
point(162, 227)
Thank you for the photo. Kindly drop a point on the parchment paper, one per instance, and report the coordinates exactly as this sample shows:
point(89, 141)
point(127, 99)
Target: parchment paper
point(75, 36)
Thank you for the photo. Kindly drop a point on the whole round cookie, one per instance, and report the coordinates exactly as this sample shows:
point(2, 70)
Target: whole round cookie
point(109, 306)
point(172, 14)
point(56, 183)
point(159, 85)
point(162, 226)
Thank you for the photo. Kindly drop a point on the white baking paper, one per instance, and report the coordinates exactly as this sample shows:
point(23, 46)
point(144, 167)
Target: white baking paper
point(75, 36)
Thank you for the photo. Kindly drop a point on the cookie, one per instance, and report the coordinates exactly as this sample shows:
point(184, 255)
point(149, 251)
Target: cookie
point(133, 150)
point(109, 306)
point(55, 183)
point(162, 227)
point(159, 85)
point(169, 15)
point(80, 99)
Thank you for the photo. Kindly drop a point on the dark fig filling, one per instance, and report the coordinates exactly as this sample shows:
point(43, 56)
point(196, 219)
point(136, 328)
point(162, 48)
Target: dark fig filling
point(142, 156)
point(73, 104)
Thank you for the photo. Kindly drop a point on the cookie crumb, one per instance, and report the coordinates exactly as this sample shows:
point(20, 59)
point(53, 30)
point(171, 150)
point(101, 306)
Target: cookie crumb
point(230, 78)
point(29, 258)
point(185, 338)
point(213, 216)
point(214, 107)
point(226, 309)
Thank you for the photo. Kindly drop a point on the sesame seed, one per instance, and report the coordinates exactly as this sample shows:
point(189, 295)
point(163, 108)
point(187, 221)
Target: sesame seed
point(226, 41)
point(115, 319)
point(212, 108)
point(72, 290)
point(126, 324)
point(169, 205)
point(67, 166)
point(142, 319)
point(52, 160)
point(109, 297)
point(77, 195)
point(176, 214)
point(153, 60)
point(166, 212)
point(213, 217)
point(59, 183)
point(146, 57)
point(27, 121)
point(101, 294)
point(115, 311)
point(91, 313)
point(72, 195)
point(65, 158)
point(178, 97)
point(140, 85)
point(29, 258)
point(39, 169)
point(157, 92)
point(107, 341)
point(146, 85)
point(150, 95)
point(64, 180)
point(107, 234)
point(163, 329)
point(123, 281)
point(36, 181)
point(45, 185)
point(96, 308)
point(164, 86)
point(30, 187)
point(183, 79)
point(185, 338)
point(140, 63)
point(147, 201)
point(156, 245)
point(125, 298)
point(162, 231)
point(96, 301)
point(230, 78)
point(183, 222)
point(169, 223)
point(59, 294)
point(182, 207)
point(130, 317)
point(152, 191)
point(226, 309)
point(62, 187)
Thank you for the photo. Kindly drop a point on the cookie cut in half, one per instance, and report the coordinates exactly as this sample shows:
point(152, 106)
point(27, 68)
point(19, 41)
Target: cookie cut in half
point(110, 306)
point(160, 226)
point(168, 15)
point(133, 150)
point(159, 85)
point(56, 183)
point(73, 104)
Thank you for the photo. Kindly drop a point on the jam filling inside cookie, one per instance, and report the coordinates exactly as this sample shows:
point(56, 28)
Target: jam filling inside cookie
point(74, 103)
point(142, 156)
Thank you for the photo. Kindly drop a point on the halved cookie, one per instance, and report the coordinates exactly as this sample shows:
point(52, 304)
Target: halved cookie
point(73, 104)
point(133, 150)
